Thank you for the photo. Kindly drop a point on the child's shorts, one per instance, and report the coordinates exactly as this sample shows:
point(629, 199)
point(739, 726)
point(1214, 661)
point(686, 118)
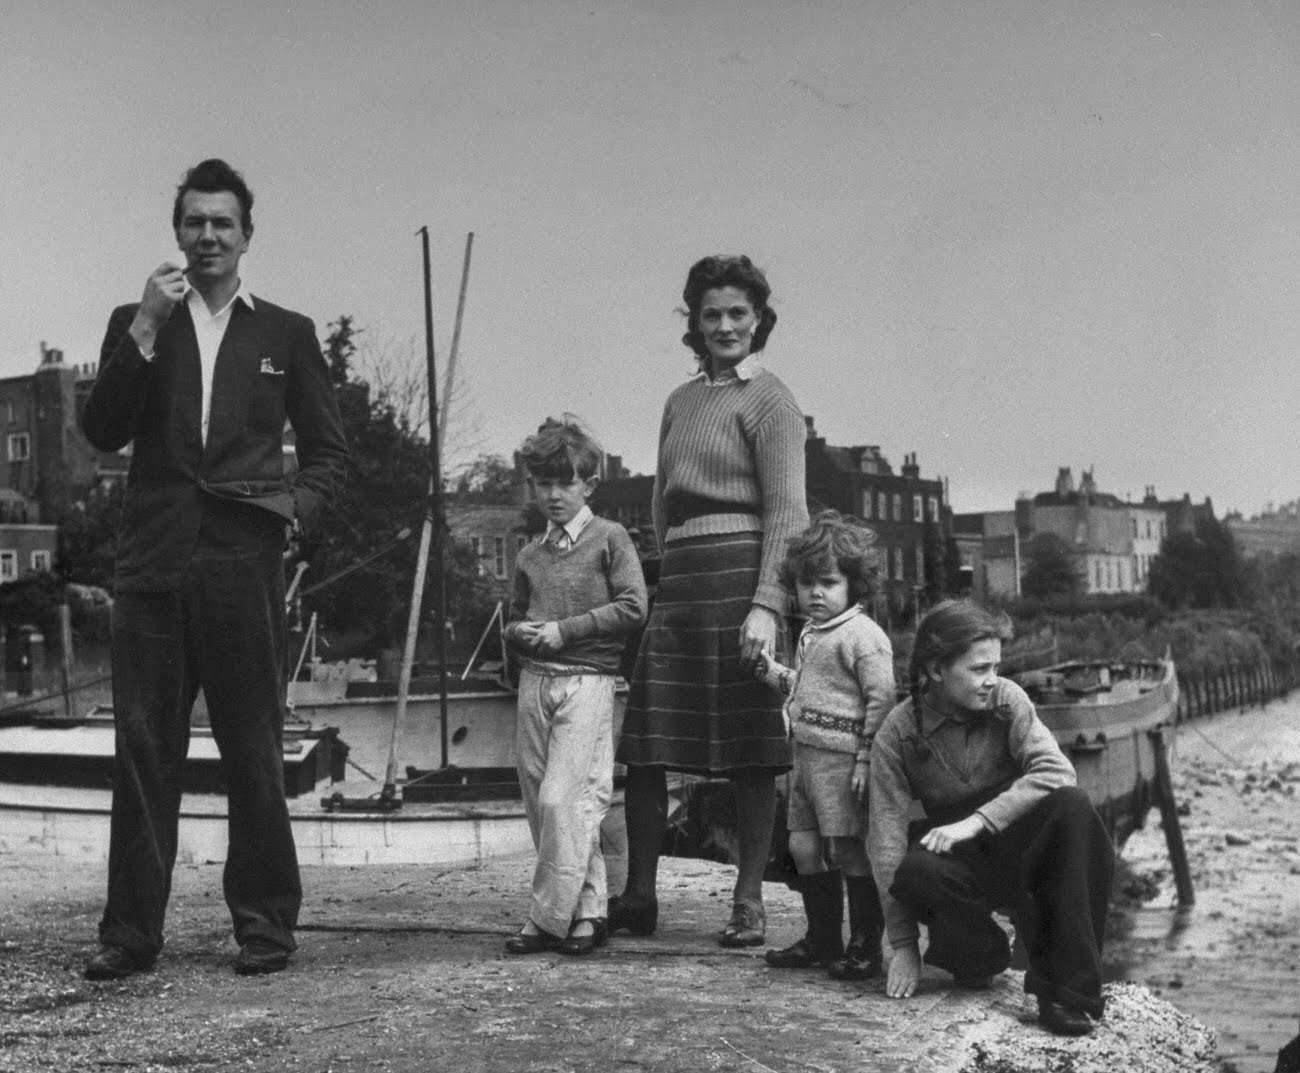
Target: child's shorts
point(821, 794)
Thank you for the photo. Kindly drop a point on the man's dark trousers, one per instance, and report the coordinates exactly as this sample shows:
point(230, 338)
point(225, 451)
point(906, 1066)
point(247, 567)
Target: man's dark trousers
point(223, 631)
point(1052, 868)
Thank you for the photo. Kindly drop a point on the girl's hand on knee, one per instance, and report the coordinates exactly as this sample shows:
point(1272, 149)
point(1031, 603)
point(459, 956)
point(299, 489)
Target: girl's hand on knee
point(943, 840)
point(904, 972)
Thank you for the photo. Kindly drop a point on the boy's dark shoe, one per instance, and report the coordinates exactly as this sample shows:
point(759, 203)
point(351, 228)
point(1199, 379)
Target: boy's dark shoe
point(1062, 1020)
point(539, 943)
point(116, 963)
point(257, 958)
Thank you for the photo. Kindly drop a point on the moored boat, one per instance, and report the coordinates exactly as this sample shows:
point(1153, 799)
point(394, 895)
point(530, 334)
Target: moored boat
point(1110, 718)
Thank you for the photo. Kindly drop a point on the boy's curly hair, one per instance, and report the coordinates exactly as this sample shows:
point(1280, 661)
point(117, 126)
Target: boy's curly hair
point(839, 540)
point(562, 449)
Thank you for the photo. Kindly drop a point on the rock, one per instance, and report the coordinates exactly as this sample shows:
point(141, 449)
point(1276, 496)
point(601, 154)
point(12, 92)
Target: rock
point(1232, 838)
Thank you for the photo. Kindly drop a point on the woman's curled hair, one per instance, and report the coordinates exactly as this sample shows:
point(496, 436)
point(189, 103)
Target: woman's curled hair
point(722, 270)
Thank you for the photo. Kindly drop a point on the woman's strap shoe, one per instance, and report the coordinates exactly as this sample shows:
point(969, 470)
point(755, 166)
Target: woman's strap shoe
point(630, 917)
point(581, 945)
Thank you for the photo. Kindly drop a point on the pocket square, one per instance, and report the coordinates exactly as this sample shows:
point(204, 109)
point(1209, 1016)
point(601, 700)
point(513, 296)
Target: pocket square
point(267, 367)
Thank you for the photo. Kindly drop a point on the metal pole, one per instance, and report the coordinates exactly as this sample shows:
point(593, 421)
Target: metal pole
point(455, 345)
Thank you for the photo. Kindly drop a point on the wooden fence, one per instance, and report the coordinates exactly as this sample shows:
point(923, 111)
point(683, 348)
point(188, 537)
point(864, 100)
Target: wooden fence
point(1237, 685)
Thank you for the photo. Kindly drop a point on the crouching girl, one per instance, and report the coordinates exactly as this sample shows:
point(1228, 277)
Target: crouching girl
point(1007, 828)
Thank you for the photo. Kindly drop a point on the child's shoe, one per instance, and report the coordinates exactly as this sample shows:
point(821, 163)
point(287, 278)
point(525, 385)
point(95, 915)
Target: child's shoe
point(862, 959)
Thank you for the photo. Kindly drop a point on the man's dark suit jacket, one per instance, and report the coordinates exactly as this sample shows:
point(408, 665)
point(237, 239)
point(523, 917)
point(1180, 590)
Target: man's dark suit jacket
point(269, 367)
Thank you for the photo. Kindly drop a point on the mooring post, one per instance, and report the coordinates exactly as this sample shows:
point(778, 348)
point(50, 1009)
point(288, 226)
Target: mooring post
point(1170, 822)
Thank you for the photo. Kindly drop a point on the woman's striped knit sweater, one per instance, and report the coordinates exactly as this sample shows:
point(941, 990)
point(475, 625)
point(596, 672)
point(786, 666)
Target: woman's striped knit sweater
point(736, 441)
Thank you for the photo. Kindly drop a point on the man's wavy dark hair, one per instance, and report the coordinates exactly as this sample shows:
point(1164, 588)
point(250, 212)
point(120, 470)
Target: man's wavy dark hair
point(211, 177)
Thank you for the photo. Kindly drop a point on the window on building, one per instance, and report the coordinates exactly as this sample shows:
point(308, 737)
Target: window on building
point(932, 507)
point(520, 541)
point(898, 506)
point(882, 507)
point(498, 557)
point(8, 565)
point(1096, 576)
point(918, 508)
point(898, 565)
point(1134, 522)
point(866, 506)
point(20, 446)
point(920, 565)
point(476, 546)
point(41, 561)
point(1148, 528)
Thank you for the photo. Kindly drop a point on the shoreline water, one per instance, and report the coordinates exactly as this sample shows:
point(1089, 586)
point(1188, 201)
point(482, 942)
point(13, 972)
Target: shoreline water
point(1233, 959)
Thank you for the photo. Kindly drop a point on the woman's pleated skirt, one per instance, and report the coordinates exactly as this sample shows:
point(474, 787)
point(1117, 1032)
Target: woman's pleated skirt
point(692, 706)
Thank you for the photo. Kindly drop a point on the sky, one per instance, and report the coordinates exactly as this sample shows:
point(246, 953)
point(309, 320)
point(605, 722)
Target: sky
point(1008, 236)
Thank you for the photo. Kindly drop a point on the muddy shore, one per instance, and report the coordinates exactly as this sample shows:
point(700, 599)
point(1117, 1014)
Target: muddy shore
point(1233, 960)
point(400, 968)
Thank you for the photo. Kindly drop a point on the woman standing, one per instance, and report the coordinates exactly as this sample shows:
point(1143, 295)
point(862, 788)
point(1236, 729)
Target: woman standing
point(729, 493)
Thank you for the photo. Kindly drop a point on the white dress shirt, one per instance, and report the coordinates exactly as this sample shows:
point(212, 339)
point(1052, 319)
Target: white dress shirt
point(210, 329)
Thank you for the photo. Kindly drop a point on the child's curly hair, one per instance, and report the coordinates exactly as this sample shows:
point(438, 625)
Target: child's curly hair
point(561, 449)
point(839, 540)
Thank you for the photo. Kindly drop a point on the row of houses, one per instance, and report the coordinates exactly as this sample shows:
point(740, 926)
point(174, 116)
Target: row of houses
point(49, 466)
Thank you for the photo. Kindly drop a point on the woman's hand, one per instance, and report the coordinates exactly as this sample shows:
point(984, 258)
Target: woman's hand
point(904, 972)
point(943, 840)
point(758, 634)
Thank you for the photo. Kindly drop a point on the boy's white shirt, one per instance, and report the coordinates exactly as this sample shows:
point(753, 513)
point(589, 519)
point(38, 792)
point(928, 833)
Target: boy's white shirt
point(574, 527)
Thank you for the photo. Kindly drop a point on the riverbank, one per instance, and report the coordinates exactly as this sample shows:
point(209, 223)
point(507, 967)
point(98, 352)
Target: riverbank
point(400, 968)
point(1232, 960)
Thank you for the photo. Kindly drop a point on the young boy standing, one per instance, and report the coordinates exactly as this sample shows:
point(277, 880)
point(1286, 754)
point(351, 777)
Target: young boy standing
point(578, 592)
point(840, 694)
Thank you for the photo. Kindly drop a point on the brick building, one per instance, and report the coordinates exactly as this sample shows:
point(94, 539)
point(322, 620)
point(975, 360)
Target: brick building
point(47, 461)
point(1274, 532)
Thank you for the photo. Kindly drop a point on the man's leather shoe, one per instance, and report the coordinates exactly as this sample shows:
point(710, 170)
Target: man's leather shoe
point(256, 958)
point(524, 943)
point(630, 917)
point(1062, 1020)
point(581, 945)
point(116, 963)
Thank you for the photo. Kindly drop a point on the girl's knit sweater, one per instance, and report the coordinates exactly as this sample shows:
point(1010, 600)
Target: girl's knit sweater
point(844, 685)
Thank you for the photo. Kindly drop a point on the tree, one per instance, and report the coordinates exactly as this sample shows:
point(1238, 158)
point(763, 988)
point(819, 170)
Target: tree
point(88, 537)
point(1198, 569)
point(386, 493)
point(1051, 570)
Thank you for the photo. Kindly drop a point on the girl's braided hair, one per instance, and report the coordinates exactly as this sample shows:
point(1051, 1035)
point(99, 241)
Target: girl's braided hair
point(948, 630)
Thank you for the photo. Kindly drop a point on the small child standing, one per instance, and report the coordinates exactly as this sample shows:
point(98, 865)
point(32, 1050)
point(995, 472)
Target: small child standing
point(838, 697)
point(578, 592)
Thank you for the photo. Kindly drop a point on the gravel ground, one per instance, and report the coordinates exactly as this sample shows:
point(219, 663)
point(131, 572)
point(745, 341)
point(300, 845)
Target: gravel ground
point(401, 968)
